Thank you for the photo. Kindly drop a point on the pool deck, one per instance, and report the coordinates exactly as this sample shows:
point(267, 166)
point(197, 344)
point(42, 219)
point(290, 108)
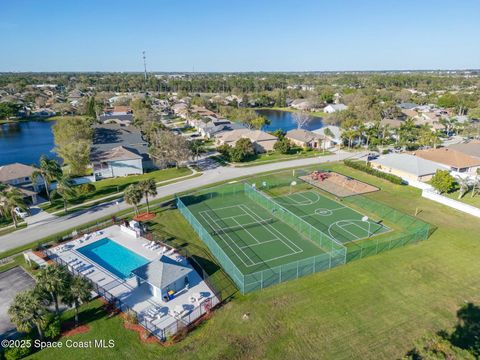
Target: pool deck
point(138, 297)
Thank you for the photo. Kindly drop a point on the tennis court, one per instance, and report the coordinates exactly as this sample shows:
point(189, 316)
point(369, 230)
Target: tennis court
point(250, 235)
point(331, 217)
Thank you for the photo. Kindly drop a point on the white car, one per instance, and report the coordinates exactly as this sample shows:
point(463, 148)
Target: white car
point(20, 213)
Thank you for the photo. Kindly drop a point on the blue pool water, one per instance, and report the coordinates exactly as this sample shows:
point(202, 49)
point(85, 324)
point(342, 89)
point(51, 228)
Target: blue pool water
point(113, 257)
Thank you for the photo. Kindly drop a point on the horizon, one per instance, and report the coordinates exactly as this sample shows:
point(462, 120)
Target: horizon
point(216, 37)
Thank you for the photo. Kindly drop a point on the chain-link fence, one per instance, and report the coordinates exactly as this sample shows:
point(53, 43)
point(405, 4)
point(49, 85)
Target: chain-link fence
point(335, 253)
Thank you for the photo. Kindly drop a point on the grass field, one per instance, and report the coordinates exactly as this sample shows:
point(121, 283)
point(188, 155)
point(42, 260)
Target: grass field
point(369, 309)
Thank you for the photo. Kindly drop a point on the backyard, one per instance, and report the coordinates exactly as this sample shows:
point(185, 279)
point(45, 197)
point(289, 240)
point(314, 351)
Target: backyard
point(371, 308)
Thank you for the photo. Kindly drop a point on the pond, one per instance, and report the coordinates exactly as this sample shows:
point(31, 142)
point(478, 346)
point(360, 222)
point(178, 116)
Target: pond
point(285, 120)
point(25, 141)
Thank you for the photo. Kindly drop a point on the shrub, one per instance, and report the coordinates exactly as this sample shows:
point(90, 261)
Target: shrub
point(85, 189)
point(131, 317)
point(15, 353)
point(283, 146)
point(369, 170)
point(52, 329)
point(442, 181)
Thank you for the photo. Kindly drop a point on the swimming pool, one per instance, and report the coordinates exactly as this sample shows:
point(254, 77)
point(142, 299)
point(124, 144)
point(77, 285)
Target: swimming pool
point(113, 257)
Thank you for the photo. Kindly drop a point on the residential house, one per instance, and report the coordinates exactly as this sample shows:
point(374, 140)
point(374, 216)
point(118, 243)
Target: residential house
point(305, 138)
point(407, 166)
point(452, 158)
point(121, 115)
point(332, 135)
point(303, 104)
point(118, 151)
point(331, 108)
point(392, 123)
point(471, 148)
point(20, 176)
point(262, 141)
point(215, 126)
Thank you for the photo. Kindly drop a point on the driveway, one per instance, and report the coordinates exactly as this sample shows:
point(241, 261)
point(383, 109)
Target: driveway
point(12, 282)
point(215, 174)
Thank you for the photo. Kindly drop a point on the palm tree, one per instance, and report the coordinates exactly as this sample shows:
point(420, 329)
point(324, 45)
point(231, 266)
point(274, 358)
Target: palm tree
point(464, 186)
point(29, 310)
point(10, 199)
point(79, 291)
point(48, 170)
point(148, 187)
point(196, 146)
point(133, 195)
point(64, 189)
point(53, 279)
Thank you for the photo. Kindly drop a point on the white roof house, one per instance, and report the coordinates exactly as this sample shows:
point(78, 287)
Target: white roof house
point(407, 166)
point(336, 132)
point(334, 108)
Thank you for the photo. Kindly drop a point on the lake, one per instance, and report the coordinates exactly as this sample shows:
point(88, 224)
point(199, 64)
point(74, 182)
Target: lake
point(25, 141)
point(284, 120)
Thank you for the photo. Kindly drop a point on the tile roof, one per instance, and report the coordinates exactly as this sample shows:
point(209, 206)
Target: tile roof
point(450, 157)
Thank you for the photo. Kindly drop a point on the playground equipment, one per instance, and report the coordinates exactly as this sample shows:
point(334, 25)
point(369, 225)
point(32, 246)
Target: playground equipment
point(319, 175)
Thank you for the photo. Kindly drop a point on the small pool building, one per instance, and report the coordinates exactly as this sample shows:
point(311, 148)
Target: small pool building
point(163, 276)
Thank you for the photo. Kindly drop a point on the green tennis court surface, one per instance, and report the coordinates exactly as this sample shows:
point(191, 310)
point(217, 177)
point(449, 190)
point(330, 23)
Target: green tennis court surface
point(331, 217)
point(251, 236)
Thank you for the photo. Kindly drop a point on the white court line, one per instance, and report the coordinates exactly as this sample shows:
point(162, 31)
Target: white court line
point(260, 243)
point(248, 232)
point(349, 223)
point(314, 213)
point(269, 227)
point(221, 237)
point(368, 232)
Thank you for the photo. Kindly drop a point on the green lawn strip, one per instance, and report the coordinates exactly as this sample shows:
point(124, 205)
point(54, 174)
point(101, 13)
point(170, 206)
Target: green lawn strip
point(277, 157)
point(110, 198)
point(466, 199)
point(10, 229)
point(114, 186)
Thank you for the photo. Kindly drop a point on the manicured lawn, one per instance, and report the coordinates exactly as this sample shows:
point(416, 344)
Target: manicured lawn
point(374, 308)
point(467, 198)
point(108, 187)
point(276, 157)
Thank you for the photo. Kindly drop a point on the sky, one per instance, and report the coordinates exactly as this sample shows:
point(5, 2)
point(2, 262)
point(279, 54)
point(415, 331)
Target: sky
point(247, 35)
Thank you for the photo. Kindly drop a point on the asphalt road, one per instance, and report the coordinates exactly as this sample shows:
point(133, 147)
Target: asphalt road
point(211, 175)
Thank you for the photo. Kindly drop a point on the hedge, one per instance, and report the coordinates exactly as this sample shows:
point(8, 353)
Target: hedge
point(369, 170)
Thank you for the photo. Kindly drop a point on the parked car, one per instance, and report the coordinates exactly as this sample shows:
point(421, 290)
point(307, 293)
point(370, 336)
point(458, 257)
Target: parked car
point(20, 213)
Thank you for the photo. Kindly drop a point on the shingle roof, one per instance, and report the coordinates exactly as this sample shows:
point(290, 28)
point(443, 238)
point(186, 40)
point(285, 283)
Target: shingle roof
point(163, 272)
point(409, 164)
point(110, 136)
point(116, 154)
point(448, 157)
point(15, 171)
point(471, 148)
point(302, 135)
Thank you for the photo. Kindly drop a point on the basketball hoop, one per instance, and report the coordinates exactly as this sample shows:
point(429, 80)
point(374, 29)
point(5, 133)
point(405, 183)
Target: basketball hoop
point(365, 219)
